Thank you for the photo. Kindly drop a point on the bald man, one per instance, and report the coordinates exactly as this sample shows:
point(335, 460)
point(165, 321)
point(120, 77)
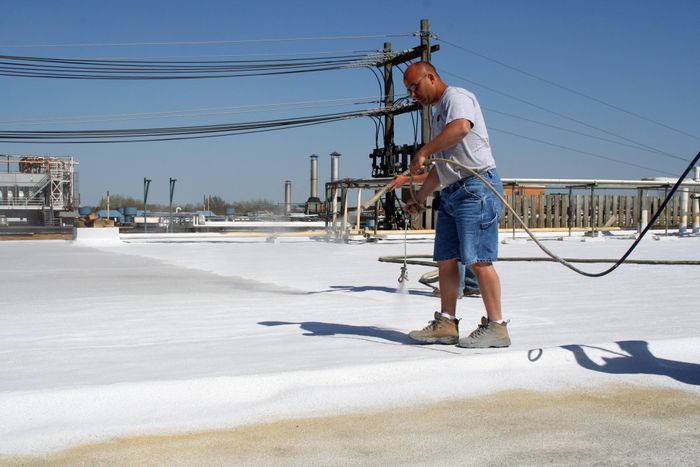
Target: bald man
point(467, 227)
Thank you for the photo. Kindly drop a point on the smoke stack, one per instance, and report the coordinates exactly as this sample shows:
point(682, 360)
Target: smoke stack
point(313, 204)
point(314, 177)
point(335, 164)
point(287, 196)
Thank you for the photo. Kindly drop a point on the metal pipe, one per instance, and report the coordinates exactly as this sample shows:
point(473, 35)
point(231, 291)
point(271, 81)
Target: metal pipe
point(359, 209)
point(598, 183)
point(287, 196)
point(335, 166)
point(666, 219)
point(314, 176)
point(345, 210)
point(696, 205)
point(592, 212)
point(334, 207)
point(570, 211)
point(512, 199)
point(644, 210)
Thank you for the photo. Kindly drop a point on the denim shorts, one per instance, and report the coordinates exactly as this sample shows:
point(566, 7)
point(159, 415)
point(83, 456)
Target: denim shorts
point(467, 222)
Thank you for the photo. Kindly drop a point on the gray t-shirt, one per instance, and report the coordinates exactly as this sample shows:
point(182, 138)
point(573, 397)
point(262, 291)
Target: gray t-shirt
point(474, 150)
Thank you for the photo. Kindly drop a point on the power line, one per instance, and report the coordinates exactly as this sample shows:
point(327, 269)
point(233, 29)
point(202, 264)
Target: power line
point(198, 112)
point(568, 89)
point(611, 159)
point(179, 133)
point(582, 133)
point(217, 56)
point(558, 114)
point(208, 42)
point(138, 69)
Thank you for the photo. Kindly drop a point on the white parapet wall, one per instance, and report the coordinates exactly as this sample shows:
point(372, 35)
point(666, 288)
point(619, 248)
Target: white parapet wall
point(101, 236)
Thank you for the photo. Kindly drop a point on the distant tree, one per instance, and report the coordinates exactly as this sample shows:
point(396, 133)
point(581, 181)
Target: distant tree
point(243, 207)
point(216, 204)
point(119, 201)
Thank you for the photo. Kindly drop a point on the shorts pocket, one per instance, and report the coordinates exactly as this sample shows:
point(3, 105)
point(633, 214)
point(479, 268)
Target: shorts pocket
point(465, 194)
point(491, 212)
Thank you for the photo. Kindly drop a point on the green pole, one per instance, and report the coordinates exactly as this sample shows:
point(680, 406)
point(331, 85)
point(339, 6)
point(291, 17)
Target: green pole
point(146, 184)
point(172, 191)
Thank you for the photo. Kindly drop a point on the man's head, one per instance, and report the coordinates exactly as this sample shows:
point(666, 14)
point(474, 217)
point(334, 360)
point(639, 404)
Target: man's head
point(423, 83)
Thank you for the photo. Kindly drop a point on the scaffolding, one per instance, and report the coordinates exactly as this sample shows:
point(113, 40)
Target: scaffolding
point(36, 187)
point(560, 204)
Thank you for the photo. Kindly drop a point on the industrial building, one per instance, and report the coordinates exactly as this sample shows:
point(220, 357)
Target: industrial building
point(37, 190)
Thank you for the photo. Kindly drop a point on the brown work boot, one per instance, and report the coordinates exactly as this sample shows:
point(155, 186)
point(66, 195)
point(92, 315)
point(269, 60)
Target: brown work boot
point(488, 334)
point(439, 331)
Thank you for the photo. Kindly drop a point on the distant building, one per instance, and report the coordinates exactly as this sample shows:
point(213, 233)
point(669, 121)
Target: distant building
point(36, 190)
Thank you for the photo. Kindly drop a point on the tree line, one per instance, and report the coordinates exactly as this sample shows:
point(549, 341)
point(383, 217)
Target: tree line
point(215, 204)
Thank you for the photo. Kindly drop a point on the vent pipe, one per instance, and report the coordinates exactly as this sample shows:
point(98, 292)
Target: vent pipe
point(314, 177)
point(335, 166)
point(287, 196)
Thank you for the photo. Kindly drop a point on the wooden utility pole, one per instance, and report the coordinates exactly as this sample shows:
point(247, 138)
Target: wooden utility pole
point(386, 159)
point(388, 102)
point(425, 56)
point(393, 159)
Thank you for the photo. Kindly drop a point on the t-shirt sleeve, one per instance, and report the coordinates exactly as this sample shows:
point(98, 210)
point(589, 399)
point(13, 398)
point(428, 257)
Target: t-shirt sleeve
point(459, 106)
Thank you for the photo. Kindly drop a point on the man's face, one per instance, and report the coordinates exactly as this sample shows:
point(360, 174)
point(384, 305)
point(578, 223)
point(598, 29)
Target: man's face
point(418, 87)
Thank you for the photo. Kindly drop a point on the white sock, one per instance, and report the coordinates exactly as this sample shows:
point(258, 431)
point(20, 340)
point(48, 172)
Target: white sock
point(448, 316)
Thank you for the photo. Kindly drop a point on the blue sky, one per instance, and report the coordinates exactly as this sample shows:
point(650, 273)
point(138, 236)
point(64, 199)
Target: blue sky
point(522, 59)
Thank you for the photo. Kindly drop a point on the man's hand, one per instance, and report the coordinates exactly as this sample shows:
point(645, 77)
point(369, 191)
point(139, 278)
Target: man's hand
point(417, 163)
point(412, 208)
point(399, 181)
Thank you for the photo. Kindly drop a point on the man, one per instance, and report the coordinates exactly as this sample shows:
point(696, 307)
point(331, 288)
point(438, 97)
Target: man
point(467, 226)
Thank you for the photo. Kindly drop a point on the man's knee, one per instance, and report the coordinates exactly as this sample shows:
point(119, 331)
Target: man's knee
point(481, 269)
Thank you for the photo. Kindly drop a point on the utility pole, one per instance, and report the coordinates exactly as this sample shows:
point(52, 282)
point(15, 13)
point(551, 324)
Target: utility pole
point(389, 149)
point(392, 159)
point(425, 56)
point(388, 102)
point(385, 160)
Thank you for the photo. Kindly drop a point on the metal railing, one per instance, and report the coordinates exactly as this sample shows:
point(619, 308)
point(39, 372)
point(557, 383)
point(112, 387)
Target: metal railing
point(558, 204)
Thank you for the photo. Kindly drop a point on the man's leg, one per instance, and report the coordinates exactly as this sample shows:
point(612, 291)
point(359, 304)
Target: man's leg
point(490, 286)
point(490, 332)
point(470, 284)
point(449, 285)
point(442, 329)
point(461, 268)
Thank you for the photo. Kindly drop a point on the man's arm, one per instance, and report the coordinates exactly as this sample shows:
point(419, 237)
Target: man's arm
point(401, 180)
point(432, 181)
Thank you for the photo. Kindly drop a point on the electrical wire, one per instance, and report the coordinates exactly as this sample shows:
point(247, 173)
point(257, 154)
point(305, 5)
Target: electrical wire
point(199, 112)
point(587, 153)
point(102, 69)
point(558, 114)
point(570, 90)
point(209, 42)
point(180, 133)
point(536, 122)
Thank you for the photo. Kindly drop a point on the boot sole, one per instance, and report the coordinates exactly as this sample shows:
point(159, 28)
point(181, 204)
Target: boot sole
point(491, 345)
point(435, 340)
